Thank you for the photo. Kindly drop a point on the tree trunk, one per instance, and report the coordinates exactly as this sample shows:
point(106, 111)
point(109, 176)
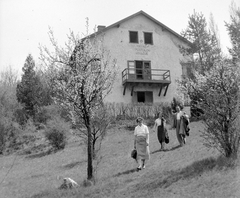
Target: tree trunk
point(90, 155)
point(93, 148)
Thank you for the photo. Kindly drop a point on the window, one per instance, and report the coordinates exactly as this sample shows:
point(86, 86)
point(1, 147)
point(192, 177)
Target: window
point(131, 67)
point(143, 97)
point(148, 39)
point(133, 36)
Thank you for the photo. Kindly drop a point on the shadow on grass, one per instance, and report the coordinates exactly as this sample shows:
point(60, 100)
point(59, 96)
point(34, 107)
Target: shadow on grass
point(166, 150)
point(194, 170)
point(174, 148)
point(41, 195)
point(73, 164)
point(40, 154)
point(126, 172)
point(159, 150)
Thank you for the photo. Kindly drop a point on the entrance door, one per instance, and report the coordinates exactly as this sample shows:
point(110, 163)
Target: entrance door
point(139, 69)
point(147, 70)
point(143, 70)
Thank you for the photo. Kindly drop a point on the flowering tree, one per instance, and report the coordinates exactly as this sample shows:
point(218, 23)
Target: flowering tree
point(82, 73)
point(218, 96)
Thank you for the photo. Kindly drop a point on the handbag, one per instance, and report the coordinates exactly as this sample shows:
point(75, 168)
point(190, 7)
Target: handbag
point(166, 139)
point(134, 154)
point(187, 130)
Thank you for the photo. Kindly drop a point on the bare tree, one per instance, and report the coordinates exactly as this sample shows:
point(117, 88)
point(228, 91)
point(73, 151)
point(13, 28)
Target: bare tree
point(82, 75)
point(9, 77)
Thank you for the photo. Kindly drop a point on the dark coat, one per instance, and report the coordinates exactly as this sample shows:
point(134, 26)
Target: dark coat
point(162, 133)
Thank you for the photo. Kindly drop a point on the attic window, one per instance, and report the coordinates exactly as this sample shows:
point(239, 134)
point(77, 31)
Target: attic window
point(133, 37)
point(148, 38)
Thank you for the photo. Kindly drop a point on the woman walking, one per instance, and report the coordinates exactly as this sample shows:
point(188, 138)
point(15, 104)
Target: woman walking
point(180, 129)
point(141, 143)
point(160, 127)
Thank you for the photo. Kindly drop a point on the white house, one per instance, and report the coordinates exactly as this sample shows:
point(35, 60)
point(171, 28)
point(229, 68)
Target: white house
point(148, 56)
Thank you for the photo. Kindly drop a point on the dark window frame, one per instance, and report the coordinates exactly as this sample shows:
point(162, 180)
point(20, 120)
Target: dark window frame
point(145, 34)
point(136, 40)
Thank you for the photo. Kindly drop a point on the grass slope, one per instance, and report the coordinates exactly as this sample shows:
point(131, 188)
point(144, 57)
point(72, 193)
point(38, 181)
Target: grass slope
point(189, 171)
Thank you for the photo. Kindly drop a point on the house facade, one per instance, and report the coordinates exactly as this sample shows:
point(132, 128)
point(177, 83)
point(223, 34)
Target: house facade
point(148, 58)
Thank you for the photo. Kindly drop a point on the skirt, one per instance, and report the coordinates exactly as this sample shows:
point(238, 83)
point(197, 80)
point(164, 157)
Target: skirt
point(142, 148)
point(161, 134)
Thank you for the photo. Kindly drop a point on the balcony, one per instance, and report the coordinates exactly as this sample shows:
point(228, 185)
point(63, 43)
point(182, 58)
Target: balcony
point(133, 77)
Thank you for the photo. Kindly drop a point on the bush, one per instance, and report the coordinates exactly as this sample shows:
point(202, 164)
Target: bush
point(122, 111)
point(176, 102)
point(29, 127)
point(9, 135)
point(55, 133)
point(46, 113)
point(20, 116)
point(42, 116)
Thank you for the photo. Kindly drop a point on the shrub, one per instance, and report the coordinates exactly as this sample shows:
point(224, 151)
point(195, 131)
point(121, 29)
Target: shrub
point(9, 135)
point(20, 116)
point(46, 113)
point(123, 111)
point(176, 102)
point(55, 133)
point(29, 127)
point(167, 114)
point(42, 116)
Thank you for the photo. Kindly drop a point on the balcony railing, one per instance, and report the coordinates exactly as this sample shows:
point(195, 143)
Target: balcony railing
point(157, 76)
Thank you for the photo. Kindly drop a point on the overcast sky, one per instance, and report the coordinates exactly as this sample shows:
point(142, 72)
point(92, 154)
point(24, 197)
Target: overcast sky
point(24, 23)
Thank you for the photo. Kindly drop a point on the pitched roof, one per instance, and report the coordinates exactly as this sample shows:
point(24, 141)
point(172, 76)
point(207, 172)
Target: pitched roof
point(149, 17)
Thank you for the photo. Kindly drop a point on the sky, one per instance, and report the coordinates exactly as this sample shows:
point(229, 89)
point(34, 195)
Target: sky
point(24, 24)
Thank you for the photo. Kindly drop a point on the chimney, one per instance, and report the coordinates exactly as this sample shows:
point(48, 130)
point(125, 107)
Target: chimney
point(100, 27)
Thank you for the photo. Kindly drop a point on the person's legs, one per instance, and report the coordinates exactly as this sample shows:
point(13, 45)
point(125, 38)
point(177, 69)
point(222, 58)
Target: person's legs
point(139, 161)
point(143, 163)
point(184, 139)
point(177, 132)
point(178, 137)
point(163, 146)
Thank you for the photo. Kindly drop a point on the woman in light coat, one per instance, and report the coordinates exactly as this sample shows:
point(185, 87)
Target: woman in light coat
point(141, 143)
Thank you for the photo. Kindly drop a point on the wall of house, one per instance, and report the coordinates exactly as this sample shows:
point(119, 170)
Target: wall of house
point(163, 54)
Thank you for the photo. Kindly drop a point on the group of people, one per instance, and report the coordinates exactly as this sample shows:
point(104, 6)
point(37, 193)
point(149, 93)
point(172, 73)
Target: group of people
point(141, 135)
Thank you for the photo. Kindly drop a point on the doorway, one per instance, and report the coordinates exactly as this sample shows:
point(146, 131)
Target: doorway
point(143, 70)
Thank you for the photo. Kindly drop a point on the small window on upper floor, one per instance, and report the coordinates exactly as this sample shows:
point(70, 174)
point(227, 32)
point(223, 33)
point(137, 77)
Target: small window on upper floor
point(133, 37)
point(148, 39)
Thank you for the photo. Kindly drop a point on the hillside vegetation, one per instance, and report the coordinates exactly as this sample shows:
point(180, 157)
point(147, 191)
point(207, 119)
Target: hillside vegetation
point(189, 171)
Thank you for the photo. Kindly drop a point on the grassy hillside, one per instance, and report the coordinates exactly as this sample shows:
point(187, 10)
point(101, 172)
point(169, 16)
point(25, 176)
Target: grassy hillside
point(189, 171)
